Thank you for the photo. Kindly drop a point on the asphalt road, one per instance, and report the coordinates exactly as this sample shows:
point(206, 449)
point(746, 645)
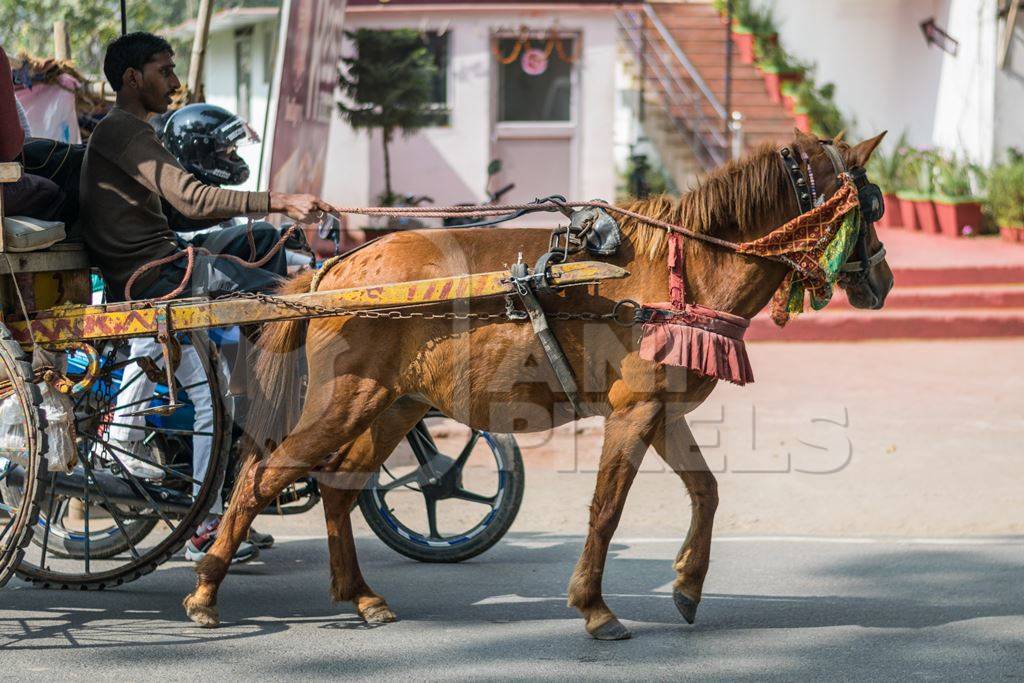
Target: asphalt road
point(785, 608)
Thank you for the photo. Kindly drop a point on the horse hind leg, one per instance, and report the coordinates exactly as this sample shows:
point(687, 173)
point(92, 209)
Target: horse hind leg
point(327, 422)
point(626, 434)
point(680, 451)
point(341, 485)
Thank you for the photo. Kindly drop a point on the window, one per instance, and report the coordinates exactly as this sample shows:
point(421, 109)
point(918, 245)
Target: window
point(546, 96)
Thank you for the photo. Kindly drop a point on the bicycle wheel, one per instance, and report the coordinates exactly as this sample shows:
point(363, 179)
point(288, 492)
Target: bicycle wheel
point(401, 501)
point(103, 524)
point(22, 444)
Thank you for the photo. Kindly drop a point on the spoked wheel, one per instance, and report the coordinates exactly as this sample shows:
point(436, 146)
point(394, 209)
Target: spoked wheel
point(138, 492)
point(434, 507)
point(22, 442)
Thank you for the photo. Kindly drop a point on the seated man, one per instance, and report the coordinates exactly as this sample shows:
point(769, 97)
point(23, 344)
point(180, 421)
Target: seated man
point(125, 174)
point(127, 170)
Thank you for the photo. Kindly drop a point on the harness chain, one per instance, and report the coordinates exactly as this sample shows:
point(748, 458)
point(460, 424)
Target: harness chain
point(403, 313)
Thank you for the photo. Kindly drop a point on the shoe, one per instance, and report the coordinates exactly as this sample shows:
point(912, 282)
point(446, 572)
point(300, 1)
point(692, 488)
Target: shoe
point(197, 546)
point(137, 468)
point(260, 540)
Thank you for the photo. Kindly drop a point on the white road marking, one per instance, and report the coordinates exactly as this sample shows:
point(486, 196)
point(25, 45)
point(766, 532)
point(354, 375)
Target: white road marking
point(544, 541)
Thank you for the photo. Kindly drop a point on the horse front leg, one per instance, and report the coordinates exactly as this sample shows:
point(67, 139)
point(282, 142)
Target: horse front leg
point(677, 447)
point(341, 484)
point(626, 437)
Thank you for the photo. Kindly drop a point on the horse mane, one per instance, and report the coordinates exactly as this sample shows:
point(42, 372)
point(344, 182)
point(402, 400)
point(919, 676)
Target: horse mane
point(740, 194)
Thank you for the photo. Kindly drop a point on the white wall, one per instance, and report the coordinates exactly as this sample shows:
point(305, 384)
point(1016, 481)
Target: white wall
point(964, 108)
point(886, 77)
point(450, 163)
point(219, 77)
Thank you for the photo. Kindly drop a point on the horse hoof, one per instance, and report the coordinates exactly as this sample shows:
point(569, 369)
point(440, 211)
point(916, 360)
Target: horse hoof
point(611, 630)
point(203, 615)
point(686, 605)
point(378, 614)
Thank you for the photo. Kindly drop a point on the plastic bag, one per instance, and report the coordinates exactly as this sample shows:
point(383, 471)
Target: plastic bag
point(12, 431)
point(58, 411)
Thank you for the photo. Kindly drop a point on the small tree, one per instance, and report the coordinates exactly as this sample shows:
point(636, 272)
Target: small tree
point(388, 85)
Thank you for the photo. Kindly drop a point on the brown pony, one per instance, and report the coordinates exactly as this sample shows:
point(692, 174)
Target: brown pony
point(371, 380)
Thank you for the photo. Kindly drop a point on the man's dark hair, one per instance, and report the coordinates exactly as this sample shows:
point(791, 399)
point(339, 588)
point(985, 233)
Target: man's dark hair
point(133, 50)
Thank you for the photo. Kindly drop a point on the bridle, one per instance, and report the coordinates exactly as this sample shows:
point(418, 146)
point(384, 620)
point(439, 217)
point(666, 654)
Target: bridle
point(872, 207)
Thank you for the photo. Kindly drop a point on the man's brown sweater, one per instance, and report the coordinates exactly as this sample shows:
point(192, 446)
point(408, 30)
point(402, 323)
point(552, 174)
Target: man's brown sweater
point(125, 172)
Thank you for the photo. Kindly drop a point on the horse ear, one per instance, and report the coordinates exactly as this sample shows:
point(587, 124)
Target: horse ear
point(839, 137)
point(861, 152)
point(807, 143)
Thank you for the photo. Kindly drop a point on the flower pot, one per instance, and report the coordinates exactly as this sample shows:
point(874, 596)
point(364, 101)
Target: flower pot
point(789, 102)
point(908, 215)
point(744, 43)
point(1012, 233)
point(791, 76)
point(955, 213)
point(927, 219)
point(773, 83)
point(803, 122)
point(892, 217)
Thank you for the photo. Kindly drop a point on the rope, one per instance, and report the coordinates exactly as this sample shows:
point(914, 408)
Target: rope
point(190, 253)
point(498, 209)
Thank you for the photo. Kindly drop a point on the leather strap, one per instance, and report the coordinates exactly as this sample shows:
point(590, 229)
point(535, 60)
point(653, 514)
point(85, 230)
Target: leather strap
point(796, 180)
point(552, 349)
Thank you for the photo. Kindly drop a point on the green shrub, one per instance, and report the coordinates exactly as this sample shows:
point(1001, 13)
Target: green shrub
point(956, 179)
point(772, 58)
point(1006, 192)
point(884, 169)
point(818, 104)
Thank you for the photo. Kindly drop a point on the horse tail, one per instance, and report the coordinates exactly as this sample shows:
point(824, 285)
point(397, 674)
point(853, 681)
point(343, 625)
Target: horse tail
point(276, 394)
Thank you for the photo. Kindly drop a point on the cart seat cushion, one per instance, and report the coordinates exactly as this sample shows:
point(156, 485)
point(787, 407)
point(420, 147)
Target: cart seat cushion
point(31, 234)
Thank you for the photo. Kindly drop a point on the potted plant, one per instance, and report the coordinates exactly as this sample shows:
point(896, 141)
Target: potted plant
point(907, 191)
point(957, 207)
point(750, 26)
point(918, 186)
point(884, 171)
point(789, 95)
point(1006, 197)
point(816, 111)
point(777, 67)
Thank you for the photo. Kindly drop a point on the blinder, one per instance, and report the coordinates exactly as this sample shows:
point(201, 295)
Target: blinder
point(872, 205)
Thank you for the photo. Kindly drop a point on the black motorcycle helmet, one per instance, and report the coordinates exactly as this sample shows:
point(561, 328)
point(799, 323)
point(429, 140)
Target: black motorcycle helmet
point(204, 139)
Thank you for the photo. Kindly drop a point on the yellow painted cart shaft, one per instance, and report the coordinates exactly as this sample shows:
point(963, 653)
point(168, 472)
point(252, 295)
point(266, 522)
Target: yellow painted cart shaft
point(142, 318)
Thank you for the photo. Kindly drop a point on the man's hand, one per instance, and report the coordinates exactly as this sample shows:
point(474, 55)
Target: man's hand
point(304, 208)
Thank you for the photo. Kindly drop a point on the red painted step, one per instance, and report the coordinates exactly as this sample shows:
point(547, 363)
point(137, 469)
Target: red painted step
point(851, 325)
point(944, 296)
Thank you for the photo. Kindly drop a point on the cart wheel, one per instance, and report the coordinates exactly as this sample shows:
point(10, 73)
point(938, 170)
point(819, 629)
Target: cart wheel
point(439, 508)
point(22, 443)
point(102, 525)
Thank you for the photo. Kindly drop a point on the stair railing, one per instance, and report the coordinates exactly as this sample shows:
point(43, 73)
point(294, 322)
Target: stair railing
point(684, 93)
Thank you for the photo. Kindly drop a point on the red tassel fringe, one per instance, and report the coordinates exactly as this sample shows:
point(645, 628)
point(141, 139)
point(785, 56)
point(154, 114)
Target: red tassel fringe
point(706, 353)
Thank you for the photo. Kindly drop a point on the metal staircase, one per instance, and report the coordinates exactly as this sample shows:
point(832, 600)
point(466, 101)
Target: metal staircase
point(693, 110)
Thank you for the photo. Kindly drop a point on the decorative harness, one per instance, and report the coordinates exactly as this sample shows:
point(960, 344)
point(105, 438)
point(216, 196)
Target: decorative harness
point(816, 246)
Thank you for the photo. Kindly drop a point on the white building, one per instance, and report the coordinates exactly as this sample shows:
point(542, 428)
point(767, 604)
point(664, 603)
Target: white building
point(566, 130)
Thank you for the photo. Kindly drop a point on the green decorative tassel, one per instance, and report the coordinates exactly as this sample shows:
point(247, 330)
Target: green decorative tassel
point(795, 302)
point(841, 246)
